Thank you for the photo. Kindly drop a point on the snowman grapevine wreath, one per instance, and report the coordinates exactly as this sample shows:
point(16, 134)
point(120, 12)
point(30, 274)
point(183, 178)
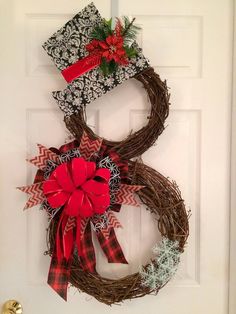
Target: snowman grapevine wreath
point(82, 184)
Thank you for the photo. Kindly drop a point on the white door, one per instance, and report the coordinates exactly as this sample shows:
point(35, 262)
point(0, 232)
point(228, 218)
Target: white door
point(189, 43)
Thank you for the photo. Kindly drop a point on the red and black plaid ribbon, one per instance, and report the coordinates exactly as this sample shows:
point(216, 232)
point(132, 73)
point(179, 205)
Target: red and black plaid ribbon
point(58, 276)
point(111, 248)
point(87, 258)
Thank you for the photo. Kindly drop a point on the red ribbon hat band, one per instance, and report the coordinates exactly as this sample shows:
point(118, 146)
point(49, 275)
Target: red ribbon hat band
point(109, 49)
point(80, 67)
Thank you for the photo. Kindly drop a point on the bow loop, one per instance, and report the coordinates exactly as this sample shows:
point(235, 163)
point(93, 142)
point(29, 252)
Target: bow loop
point(104, 174)
point(74, 203)
point(63, 177)
point(79, 171)
point(86, 210)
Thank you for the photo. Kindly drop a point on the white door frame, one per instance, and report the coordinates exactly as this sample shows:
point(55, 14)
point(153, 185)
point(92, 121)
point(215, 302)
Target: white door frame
point(232, 234)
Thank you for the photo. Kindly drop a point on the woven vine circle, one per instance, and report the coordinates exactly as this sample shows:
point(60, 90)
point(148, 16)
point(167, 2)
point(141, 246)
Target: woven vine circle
point(140, 141)
point(162, 198)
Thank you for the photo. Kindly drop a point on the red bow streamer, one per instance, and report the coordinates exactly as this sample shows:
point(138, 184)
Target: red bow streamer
point(81, 191)
point(110, 49)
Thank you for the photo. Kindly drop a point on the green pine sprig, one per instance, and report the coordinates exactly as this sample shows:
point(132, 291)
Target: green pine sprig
point(130, 51)
point(130, 31)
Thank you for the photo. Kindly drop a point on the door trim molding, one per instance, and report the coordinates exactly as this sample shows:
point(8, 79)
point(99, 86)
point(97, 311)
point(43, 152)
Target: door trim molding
point(232, 222)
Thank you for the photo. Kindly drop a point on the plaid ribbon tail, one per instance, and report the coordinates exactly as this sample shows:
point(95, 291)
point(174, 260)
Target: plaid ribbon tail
point(87, 252)
point(58, 276)
point(111, 248)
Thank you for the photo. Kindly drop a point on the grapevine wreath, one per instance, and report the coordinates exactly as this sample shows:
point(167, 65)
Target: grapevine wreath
point(82, 184)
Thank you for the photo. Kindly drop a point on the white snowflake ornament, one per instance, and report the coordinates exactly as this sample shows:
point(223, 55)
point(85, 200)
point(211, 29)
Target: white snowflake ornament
point(163, 267)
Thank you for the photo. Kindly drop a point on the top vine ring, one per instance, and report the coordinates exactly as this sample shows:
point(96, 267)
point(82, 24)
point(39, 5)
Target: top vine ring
point(94, 57)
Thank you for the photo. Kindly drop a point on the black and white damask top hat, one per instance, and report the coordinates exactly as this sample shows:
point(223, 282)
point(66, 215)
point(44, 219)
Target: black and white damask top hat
point(70, 48)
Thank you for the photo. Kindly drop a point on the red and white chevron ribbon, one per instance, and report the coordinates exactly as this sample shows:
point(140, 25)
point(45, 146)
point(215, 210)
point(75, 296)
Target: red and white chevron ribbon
point(44, 155)
point(113, 222)
point(36, 194)
point(125, 195)
point(70, 224)
point(83, 224)
point(88, 147)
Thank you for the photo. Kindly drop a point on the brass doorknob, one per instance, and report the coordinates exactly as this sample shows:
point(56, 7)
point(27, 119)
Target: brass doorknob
point(12, 307)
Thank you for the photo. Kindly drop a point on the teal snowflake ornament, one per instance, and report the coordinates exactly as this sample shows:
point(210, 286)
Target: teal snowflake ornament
point(163, 267)
point(149, 276)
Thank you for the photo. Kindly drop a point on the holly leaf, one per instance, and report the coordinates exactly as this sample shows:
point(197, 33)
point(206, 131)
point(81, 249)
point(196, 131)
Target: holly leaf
point(130, 52)
point(108, 68)
point(108, 27)
point(108, 23)
point(112, 66)
point(104, 67)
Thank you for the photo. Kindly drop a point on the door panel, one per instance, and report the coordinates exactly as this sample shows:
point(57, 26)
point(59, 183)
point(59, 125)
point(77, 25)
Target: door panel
point(190, 44)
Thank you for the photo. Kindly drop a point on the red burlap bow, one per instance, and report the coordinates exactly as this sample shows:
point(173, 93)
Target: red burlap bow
point(83, 191)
